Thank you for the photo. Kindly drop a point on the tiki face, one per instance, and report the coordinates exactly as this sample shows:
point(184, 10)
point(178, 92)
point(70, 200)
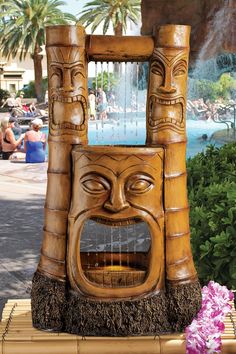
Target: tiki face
point(167, 90)
point(117, 189)
point(68, 90)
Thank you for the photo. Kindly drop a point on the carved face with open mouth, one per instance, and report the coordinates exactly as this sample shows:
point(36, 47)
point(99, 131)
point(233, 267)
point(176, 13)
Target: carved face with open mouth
point(119, 188)
point(167, 89)
point(68, 107)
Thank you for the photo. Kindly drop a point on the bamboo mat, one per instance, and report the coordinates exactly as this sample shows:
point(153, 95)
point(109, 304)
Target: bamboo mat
point(19, 337)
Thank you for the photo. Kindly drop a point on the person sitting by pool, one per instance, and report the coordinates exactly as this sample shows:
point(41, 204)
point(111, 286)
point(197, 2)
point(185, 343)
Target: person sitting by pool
point(8, 141)
point(17, 130)
point(35, 143)
point(10, 102)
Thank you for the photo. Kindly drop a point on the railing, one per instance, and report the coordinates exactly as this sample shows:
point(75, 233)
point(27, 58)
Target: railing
point(220, 117)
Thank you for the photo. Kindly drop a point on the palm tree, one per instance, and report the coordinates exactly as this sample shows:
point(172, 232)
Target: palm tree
point(22, 30)
point(116, 12)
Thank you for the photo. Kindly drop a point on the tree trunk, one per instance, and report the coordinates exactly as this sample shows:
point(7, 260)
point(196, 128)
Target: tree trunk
point(38, 73)
point(118, 31)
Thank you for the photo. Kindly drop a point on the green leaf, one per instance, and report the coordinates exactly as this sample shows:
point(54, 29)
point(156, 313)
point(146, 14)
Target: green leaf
point(212, 196)
point(232, 269)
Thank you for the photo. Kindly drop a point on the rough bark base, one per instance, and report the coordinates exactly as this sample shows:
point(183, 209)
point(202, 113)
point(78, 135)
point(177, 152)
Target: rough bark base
point(56, 308)
point(48, 303)
point(184, 302)
point(122, 318)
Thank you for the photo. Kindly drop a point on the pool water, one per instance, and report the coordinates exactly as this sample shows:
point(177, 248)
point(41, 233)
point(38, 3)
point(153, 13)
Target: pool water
point(195, 130)
point(133, 132)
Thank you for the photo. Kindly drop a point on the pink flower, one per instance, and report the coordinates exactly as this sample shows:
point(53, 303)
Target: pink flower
point(203, 335)
point(213, 344)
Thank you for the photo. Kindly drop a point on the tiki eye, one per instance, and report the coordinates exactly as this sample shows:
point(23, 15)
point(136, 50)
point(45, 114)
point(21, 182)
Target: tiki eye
point(56, 77)
point(180, 69)
point(76, 72)
point(56, 72)
point(157, 68)
point(76, 75)
point(139, 184)
point(95, 184)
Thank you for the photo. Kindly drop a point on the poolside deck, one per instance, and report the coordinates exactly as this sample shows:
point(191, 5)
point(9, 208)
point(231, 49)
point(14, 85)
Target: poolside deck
point(22, 196)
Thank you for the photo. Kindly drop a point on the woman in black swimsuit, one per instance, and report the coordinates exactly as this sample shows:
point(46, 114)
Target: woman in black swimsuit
point(9, 143)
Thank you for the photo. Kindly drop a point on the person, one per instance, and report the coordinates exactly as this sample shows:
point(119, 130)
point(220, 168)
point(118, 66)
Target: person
point(92, 105)
point(19, 108)
point(32, 109)
point(17, 130)
point(10, 102)
point(19, 100)
point(46, 97)
point(102, 104)
point(35, 143)
point(8, 141)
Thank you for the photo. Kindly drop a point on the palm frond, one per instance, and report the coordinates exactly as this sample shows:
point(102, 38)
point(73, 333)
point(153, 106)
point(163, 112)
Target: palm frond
point(25, 21)
point(108, 12)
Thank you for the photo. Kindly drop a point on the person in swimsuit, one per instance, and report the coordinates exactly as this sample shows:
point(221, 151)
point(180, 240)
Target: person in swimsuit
point(101, 104)
point(92, 105)
point(8, 141)
point(35, 143)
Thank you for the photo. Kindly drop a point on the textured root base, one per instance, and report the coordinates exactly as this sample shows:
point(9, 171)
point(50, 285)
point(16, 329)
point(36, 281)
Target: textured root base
point(122, 318)
point(58, 309)
point(48, 303)
point(184, 302)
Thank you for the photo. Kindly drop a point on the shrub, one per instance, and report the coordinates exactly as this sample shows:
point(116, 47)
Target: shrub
point(212, 196)
point(207, 89)
point(29, 90)
point(105, 80)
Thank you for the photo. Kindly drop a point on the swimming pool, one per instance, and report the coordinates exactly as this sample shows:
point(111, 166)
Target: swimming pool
point(133, 132)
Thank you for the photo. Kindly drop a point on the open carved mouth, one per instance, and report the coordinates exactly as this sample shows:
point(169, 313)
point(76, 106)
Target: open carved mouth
point(73, 107)
point(164, 112)
point(115, 254)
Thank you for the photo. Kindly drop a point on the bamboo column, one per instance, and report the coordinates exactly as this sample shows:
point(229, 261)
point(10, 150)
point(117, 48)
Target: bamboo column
point(68, 92)
point(166, 125)
point(67, 126)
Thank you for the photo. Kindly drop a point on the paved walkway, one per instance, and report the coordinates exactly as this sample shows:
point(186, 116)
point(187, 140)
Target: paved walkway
point(22, 196)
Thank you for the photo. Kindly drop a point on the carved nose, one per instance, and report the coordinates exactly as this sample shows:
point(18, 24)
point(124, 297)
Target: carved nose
point(116, 202)
point(166, 89)
point(166, 86)
point(67, 84)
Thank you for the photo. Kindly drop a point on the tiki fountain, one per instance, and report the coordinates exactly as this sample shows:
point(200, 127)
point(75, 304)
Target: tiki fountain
point(117, 289)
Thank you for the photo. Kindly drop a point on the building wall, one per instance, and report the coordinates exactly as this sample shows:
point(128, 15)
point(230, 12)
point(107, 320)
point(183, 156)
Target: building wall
point(18, 73)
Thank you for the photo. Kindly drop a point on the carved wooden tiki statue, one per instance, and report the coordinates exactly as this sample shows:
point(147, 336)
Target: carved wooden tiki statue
point(116, 257)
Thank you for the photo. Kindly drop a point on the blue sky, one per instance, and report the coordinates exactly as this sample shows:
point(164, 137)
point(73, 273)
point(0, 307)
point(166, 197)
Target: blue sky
point(74, 6)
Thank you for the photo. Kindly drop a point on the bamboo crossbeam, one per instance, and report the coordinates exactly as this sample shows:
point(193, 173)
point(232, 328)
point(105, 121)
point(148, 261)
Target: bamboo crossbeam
point(119, 49)
point(103, 48)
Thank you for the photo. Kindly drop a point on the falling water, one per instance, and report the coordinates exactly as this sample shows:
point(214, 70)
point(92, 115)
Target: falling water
point(113, 245)
point(126, 106)
point(212, 61)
